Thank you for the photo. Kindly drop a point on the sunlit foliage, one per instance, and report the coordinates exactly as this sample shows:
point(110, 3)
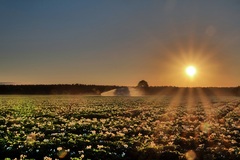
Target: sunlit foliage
point(72, 127)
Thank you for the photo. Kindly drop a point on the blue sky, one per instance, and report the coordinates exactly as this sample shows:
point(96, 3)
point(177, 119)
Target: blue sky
point(120, 42)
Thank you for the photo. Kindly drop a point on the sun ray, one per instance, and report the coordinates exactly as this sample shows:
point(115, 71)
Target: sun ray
point(176, 100)
point(205, 100)
point(191, 99)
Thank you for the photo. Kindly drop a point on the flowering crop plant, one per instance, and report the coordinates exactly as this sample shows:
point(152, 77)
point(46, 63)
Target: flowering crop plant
point(119, 128)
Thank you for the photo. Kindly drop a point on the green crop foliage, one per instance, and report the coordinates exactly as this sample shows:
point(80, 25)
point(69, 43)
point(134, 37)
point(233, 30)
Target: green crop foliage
point(95, 127)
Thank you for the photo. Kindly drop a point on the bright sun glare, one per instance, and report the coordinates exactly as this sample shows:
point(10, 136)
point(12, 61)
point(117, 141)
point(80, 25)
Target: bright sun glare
point(191, 71)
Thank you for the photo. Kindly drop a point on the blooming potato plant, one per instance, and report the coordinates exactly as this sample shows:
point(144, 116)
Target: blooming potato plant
point(74, 127)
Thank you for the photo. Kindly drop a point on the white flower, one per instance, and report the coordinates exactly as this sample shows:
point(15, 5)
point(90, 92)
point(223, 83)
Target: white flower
point(231, 150)
point(59, 148)
point(99, 146)
point(82, 151)
point(82, 156)
point(47, 158)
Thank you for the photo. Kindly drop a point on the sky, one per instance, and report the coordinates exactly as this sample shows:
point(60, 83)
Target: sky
point(120, 42)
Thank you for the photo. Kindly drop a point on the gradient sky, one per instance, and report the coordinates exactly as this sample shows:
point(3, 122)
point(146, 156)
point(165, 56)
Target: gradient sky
point(120, 42)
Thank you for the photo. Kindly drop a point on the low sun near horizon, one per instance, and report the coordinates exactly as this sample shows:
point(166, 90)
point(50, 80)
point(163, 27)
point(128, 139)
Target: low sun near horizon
point(191, 71)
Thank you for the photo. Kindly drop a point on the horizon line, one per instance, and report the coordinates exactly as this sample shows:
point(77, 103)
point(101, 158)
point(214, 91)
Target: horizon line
point(48, 84)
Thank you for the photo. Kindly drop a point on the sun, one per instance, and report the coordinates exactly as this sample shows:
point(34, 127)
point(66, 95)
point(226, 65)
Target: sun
point(191, 71)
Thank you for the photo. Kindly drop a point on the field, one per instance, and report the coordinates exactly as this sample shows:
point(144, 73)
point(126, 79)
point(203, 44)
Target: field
point(95, 127)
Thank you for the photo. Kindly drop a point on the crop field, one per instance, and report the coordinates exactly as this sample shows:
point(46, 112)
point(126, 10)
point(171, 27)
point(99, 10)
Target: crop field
point(118, 128)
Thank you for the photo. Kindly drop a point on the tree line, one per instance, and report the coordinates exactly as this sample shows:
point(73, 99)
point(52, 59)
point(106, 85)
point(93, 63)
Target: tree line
point(194, 91)
point(82, 89)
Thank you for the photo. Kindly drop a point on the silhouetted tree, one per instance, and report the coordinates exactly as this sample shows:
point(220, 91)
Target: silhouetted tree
point(142, 84)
